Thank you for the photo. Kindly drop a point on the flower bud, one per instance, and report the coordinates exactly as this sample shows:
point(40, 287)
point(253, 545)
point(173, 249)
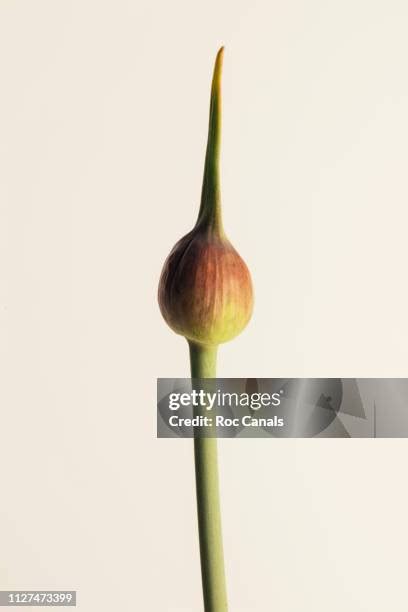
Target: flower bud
point(205, 290)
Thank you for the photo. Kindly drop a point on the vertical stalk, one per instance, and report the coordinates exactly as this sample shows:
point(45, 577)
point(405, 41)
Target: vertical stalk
point(203, 365)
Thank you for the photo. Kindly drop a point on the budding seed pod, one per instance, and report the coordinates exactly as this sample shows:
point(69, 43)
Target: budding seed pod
point(205, 289)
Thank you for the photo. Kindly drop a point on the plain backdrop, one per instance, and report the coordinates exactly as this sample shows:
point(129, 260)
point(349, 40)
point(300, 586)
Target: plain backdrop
point(103, 120)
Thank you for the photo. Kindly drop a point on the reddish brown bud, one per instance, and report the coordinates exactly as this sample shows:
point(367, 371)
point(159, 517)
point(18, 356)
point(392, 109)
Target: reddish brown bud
point(205, 290)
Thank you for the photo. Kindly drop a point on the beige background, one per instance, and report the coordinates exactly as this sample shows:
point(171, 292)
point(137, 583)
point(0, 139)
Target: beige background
point(103, 117)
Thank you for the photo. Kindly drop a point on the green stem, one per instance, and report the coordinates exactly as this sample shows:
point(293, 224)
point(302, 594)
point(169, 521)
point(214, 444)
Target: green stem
point(203, 365)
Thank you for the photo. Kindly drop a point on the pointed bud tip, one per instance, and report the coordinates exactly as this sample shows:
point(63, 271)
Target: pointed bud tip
point(216, 82)
point(219, 59)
